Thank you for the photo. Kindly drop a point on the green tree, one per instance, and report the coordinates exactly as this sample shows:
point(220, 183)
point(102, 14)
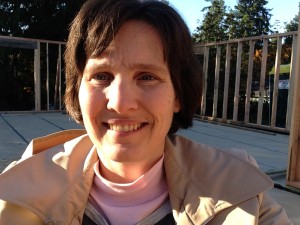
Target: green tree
point(248, 18)
point(288, 41)
point(212, 27)
point(231, 24)
point(293, 24)
point(43, 19)
point(252, 18)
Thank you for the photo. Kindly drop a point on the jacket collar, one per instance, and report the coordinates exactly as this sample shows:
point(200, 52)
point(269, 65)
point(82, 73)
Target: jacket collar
point(203, 181)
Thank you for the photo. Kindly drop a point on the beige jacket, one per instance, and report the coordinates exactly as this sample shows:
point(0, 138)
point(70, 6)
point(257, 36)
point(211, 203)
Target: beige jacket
point(206, 186)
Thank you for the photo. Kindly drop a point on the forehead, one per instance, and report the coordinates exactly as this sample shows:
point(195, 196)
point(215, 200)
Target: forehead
point(136, 43)
point(136, 36)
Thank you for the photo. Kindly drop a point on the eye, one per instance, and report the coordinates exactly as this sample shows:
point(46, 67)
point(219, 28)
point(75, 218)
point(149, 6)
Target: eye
point(102, 78)
point(147, 77)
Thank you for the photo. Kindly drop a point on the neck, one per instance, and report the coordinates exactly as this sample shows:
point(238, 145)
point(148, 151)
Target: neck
point(137, 199)
point(120, 172)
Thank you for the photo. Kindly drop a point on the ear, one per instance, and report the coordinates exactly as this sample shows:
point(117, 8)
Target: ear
point(177, 106)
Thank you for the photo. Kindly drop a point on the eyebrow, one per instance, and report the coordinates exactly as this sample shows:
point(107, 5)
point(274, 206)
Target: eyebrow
point(140, 66)
point(148, 66)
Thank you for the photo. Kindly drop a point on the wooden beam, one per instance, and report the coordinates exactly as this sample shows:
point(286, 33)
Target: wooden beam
point(204, 81)
point(237, 81)
point(37, 78)
point(276, 82)
point(216, 84)
point(293, 171)
point(226, 81)
point(262, 81)
point(249, 81)
point(292, 82)
point(12, 43)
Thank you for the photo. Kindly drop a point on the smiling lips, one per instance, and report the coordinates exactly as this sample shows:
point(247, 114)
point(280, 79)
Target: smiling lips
point(124, 127)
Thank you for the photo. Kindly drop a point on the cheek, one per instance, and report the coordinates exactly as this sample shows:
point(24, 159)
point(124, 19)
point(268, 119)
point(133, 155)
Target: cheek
point(84, 98)
point(89, 100)
point(164, 102)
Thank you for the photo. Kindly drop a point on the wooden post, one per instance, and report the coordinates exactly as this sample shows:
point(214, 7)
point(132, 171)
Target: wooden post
point(57, 82)
point(262, 81)
point(226, 81)
point(204, 81)
point(293, 171)
point(37, 78)
point(276, 81)
point(216, 86)
point(249, 81)
point(47, 81)
point(292, 83)
point(237, 81)
point(59, 76)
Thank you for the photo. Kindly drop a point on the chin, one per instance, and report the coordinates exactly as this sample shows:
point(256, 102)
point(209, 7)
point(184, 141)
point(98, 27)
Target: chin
point(119, 153)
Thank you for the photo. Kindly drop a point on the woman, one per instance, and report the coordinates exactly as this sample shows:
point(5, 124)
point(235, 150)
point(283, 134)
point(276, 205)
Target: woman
point(132, 81)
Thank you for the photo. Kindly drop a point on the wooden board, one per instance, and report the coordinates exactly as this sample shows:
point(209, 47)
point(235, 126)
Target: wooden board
point(293, 171)
point(13, 43)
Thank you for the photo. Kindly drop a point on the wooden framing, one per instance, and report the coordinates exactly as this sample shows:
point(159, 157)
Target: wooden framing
point(292, 82)
point(237, 81)
point(226, 80)
point(37, 78)
point(255, 98)
point(204, 81)
point(17, 43)
point(262, 81)
point(293, 171)
point(35, 45)
point(276, 81)
point(216, 86)
point(249, 81)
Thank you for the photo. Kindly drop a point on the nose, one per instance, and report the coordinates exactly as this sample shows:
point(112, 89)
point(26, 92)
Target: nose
point(122, 96)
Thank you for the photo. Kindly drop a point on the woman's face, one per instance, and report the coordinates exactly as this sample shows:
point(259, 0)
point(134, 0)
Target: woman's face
point(127, 98)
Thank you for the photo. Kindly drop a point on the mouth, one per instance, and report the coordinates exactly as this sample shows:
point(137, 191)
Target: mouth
point(124, 127)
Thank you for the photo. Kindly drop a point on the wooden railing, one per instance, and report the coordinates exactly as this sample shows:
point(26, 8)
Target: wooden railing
point(238, 86)
point(42, 69)
point(234, 91)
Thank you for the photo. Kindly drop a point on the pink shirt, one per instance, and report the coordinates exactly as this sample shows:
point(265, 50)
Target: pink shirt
point(127, 204)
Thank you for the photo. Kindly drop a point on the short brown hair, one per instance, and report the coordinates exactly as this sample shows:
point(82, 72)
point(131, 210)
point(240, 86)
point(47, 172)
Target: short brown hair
point(94, 28)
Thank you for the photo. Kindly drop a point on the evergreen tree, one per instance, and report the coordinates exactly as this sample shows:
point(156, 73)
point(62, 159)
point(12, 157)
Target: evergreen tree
point(212, 27)
point(253, 18)
point(293, 24)
point(288, 41)
point(231, 24)
point(43, 19)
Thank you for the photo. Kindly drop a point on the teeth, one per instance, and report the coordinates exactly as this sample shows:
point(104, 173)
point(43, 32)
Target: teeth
point(125, 127)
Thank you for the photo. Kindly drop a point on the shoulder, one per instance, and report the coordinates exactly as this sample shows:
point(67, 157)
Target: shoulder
point(210, 168)
point(57, 148)
point(65, 161)
point(40, 144)
point(189, 148)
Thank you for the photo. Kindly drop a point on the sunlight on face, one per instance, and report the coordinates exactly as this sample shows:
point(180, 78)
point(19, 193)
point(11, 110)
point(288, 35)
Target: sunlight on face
point(127, 97)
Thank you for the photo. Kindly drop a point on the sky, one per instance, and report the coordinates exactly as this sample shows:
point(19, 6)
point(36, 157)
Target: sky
point(190, 10)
